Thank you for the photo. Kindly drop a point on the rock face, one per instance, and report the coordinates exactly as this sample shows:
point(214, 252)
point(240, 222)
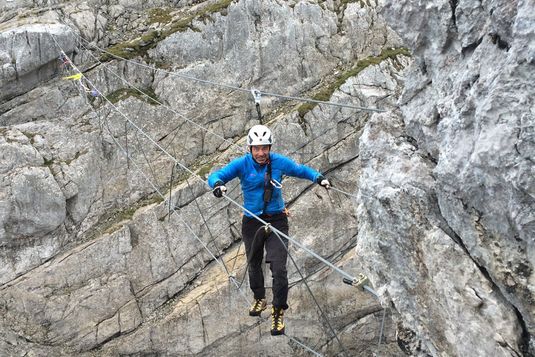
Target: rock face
point(28, 56)
point(447, 187)
point(93, 261)
point(108, 245)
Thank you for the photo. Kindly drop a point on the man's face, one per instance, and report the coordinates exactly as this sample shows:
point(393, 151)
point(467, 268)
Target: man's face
point(261, 153)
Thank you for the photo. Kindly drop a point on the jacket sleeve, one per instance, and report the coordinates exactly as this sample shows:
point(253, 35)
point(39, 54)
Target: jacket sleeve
point(291, 168)
point(227, 173)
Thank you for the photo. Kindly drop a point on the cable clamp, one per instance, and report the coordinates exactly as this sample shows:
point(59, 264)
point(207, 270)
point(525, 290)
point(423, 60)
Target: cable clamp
point(257, 95)
point(357, 282)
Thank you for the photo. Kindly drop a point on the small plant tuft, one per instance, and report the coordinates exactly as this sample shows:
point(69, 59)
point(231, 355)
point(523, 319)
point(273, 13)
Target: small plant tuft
point(325, 93)
point(148, 95)
point(159, 15)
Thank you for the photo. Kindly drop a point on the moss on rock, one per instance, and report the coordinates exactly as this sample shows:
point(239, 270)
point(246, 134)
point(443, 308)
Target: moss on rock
point(148, 95)
point(326, 91)
point(139, 46)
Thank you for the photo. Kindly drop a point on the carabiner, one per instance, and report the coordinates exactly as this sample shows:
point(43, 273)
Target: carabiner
point(275, 183)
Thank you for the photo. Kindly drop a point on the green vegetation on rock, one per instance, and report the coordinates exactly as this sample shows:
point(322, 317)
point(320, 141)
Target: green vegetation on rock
point(140, 46)
point(159, 15)
point(205, 170)
point(123, 93)
point(326, 91)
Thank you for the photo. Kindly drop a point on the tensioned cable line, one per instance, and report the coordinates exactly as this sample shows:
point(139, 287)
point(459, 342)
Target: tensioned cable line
point(230, 277)
point(324, 261)
point(164, 105)
point(170, 109)
point(300, 245)
point(142, 132)
point(163, 196)
point(322, 314)
point(159, 102)
point(124, 80)
point(228, 86)
point(343, 192)
point(243, 90)
point(310, 100)
point(174, 111)
point(343, 273)
point(150, 98)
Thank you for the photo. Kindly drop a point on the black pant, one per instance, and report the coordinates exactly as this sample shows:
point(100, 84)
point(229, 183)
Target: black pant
point(256, 239)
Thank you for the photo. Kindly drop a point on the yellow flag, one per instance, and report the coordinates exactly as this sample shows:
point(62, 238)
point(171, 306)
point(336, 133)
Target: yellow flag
point(74, 77)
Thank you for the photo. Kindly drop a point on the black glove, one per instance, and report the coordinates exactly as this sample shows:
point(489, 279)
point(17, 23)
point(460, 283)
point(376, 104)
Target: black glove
point(322, 181)
point(219, 189)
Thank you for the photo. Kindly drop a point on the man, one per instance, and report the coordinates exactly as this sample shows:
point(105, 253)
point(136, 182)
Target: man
point(260, 173)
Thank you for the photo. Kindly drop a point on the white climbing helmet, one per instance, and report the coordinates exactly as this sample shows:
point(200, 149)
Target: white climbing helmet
point(259, 135)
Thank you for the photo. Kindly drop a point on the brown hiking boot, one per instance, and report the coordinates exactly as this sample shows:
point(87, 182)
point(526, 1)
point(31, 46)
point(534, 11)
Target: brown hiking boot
point(277, 321)
point(258, 306)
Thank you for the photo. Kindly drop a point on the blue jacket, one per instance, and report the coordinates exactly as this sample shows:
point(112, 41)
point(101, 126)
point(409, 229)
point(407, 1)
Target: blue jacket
point(252, 177)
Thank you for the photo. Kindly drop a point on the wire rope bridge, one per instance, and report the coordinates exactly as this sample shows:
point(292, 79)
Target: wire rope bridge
point(87, 87)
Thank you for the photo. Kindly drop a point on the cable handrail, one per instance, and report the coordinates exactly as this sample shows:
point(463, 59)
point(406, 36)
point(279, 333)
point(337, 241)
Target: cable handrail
point(220, 262)
point(344, 192)
point(166, 106)
point(233, 87)
point(340, 271)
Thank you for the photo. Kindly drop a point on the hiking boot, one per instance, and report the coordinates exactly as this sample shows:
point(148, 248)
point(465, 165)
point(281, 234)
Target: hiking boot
point(277, 321)
point(258, 306)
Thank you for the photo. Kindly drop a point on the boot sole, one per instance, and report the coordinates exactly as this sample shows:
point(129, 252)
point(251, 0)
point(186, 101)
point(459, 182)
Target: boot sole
point(277, 333)
point(253, 313)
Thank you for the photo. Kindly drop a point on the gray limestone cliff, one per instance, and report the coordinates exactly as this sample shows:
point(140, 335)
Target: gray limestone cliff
point(93, 260)
point(447, 186)
point(103, 235)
